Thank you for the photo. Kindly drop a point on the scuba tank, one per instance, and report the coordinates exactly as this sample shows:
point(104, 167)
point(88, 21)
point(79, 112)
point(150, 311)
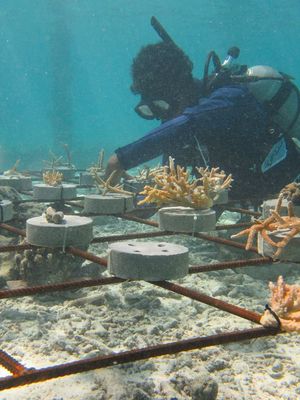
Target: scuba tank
point(274, 89)
point(279, 94)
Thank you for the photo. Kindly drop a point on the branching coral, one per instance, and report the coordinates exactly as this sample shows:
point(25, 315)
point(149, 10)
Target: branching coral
point(52, 178)
point(98, 167)
point(291, 192)
point(13, 170)
point(175, 186)
point(146, 173)
point(288, 225)
point(285, 303)
point(58, 161)
point(105, 186)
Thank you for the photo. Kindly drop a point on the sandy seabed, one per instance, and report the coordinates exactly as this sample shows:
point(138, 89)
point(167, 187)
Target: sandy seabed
point(45, 330)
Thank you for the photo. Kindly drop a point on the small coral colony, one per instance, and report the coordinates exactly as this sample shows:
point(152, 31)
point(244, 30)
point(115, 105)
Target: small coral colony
point(173, 185)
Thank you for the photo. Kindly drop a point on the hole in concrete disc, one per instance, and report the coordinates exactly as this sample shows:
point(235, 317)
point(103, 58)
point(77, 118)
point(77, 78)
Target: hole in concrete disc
point(164, 251)
point(136, 251)
point(161, 245)
point(130, 244)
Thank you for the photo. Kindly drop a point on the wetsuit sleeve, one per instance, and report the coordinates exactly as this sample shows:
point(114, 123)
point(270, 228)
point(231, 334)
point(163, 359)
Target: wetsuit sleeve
point(211, 119)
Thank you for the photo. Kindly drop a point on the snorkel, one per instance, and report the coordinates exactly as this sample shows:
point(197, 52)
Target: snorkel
point(221, 71)
point(156, 103)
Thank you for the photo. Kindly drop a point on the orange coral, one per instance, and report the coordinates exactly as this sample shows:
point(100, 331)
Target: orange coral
point(288, 225)
point(52, 178)
point(175, 186)
point(285, 302)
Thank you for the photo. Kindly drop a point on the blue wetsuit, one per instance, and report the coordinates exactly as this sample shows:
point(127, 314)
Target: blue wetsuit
point(233, 126)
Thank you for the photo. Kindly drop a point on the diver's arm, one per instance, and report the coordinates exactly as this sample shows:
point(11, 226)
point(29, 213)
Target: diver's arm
point(115, 165)
point(210, 120)
point(153, 144)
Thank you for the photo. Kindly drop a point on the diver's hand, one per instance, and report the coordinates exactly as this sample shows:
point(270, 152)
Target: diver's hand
point(114, 164)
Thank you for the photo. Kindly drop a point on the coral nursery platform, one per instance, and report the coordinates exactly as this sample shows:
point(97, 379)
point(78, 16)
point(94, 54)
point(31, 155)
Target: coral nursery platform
point(21, 375)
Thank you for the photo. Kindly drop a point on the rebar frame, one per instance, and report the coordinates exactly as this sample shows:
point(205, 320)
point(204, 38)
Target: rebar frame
point(21, 375)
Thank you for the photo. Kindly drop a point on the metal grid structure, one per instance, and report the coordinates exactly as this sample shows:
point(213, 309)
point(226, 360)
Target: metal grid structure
point(20, 375)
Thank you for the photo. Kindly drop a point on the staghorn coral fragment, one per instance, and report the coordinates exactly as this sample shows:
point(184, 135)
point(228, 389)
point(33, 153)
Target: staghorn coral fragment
point(105, 186)
point(13, 170)
point(288, 225)
point(98, 167)
point(173, 185)
point(52, 178)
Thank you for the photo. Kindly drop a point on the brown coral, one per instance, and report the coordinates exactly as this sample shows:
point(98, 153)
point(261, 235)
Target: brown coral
point(285, 302)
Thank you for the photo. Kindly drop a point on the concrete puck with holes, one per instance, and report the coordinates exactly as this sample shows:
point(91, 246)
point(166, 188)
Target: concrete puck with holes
point(87, 179)
point(222, 197)
point(42, 191)
point(110, 203)
point(269, 205)
point(18, 182)
point(73, 231)
point(149, 261)
point(6, 210)
point(290, 252)
point(186, 219)
point(136, 186)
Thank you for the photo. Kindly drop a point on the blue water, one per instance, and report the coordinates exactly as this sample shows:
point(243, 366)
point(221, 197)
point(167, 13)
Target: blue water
point(65, 64)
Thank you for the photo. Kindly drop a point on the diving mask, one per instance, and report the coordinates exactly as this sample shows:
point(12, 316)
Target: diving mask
point(153, 109)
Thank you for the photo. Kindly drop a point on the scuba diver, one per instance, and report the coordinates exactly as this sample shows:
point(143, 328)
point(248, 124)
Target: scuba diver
point(243, 120)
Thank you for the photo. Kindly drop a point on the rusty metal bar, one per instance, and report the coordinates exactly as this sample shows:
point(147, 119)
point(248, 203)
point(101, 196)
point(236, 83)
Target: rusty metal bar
point(243, 211)
point(74, 367)
point(12, 229)
point(86, 255)
point(72, 204)
point(230, 264)
point(137, 219)
point(58, 287)
point(44, 200)
point(135, 235)
point(226, 242)
point(11, 365)
point(233, 226)
point(29, 291)
point(211, 301)
point(15, 247)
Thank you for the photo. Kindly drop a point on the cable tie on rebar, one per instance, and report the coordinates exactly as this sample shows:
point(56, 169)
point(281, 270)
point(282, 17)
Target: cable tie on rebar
point(61, 193)
point(195, 217)
point(124, 205)
point(273, 313)
point(1, 212)
point(64, 239)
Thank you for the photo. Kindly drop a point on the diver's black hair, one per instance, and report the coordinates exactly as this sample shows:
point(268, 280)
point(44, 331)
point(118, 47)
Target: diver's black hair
point(161, 70)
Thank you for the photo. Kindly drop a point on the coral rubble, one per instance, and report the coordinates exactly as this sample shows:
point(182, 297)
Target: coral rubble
point(51, 215)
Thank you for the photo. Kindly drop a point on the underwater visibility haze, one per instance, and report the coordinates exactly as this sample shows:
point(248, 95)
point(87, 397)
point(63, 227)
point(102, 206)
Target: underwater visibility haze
point(163, 263)
point(65, 65)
